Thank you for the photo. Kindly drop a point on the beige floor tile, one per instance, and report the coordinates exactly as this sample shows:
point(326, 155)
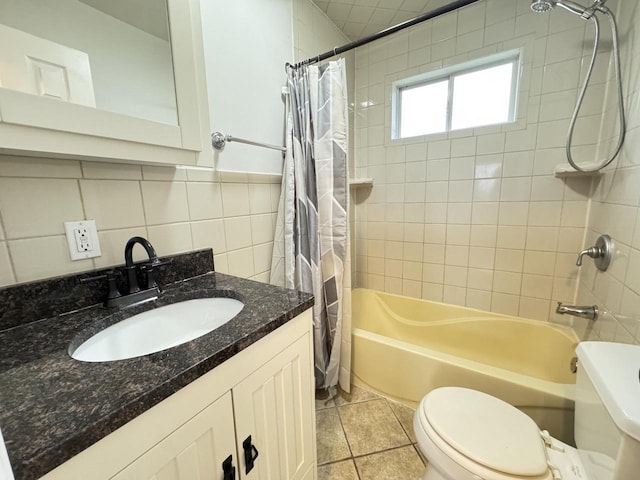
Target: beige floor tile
point(371, 427)
point(397, 464)
point(405, 415)
point(338, 471)
point(331, 442)
point(356, 395)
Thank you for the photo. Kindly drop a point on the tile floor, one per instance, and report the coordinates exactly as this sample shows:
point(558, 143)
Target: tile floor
point(363, 436)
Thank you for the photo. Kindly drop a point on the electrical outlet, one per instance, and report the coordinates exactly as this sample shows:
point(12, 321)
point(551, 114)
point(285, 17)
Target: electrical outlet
point(82, 238)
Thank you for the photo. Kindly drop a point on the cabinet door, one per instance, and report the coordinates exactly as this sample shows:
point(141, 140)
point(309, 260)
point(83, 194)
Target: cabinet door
point(274, 405)
point(195, 451)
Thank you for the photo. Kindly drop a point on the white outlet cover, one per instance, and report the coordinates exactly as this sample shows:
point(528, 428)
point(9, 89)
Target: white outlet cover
point(90, 239)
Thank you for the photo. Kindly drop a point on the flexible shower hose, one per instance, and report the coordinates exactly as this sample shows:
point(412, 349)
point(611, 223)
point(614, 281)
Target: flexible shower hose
point(616, 53)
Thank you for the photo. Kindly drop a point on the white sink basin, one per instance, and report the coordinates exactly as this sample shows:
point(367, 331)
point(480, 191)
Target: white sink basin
point(158, 329)
point(5, 467)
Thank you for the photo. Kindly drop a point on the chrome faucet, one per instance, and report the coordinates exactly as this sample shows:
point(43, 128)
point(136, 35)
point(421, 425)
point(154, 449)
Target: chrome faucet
point(584, 311)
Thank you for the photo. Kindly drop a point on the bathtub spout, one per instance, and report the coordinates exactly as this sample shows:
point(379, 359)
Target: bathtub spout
point(584, 311)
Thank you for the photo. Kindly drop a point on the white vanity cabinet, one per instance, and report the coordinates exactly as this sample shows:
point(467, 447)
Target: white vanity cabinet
point(194, 451)
point(265, 391)
point(143, 103)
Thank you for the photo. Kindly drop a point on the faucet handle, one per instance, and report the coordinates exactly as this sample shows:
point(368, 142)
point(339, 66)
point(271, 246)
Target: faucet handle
point(593, 252)
point(158, 263)
point(111, 276)
point(148, 269)
point(600, 252)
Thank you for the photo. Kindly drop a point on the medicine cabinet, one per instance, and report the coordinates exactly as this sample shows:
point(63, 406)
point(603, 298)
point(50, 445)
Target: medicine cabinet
point(115, 80)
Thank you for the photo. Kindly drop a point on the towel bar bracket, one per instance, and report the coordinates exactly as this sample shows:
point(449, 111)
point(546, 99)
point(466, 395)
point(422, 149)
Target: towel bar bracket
point(219, 140)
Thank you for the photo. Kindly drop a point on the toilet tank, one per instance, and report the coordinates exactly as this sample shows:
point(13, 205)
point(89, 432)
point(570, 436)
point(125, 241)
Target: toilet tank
point(607, 416)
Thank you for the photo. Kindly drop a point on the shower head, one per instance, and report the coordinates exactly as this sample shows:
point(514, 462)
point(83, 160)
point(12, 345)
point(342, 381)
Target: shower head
point(542, 6)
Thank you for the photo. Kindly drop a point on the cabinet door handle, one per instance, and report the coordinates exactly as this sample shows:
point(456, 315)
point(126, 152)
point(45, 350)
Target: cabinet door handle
point(228, 470)
point(250, 454)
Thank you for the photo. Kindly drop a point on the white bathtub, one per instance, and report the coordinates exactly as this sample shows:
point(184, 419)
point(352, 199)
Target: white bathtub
point(404, 347)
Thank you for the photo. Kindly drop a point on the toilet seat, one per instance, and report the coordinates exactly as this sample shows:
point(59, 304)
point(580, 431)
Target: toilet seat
point(473, 436)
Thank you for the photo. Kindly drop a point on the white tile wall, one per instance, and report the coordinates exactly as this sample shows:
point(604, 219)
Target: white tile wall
point(615, 207)
point(177, 211)
point(495, 216)
point(35, 206)
point(113, 203)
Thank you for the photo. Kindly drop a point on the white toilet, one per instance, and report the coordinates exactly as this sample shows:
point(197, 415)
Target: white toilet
point(469, 435)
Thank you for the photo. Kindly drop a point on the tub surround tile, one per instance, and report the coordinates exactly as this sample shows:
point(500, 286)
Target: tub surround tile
point(397, 464)
point(46, 422)
point(537, 214)
point(371, 426)
point(331, 443)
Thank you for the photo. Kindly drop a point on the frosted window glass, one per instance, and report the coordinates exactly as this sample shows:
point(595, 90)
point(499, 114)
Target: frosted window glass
point(482, 97)
point(424, 109)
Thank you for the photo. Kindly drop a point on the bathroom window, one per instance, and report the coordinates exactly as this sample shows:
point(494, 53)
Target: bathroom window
point(471, 94)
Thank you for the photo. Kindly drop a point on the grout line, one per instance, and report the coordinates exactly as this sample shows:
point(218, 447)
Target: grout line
point(390, 449)
point(399, 421)
point(346, 438)
point(353, 457)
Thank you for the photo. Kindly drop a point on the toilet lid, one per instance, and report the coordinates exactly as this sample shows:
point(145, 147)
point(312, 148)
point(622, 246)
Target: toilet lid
point(486, 430)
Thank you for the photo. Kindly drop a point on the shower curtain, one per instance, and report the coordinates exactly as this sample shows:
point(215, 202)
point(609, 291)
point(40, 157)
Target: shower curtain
point(311, 247)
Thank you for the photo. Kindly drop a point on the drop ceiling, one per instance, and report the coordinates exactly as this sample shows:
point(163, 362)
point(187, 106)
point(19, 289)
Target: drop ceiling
point(359, 18)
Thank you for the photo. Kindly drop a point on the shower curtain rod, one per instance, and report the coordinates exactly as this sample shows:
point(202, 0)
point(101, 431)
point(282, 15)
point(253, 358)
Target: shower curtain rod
point(384, 33)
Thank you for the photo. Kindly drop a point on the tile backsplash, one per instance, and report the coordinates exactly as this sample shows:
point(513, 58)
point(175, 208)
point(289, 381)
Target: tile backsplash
point(177, 210)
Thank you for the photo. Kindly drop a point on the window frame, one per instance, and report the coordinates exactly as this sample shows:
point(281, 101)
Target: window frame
point(448, 74)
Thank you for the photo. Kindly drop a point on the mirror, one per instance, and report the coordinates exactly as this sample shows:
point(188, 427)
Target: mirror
point(114, 55)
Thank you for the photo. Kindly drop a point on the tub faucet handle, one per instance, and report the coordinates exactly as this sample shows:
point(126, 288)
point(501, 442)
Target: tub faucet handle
point(600, 252)
point(593, 252)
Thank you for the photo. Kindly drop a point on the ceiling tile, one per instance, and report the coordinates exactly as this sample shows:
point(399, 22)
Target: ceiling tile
point(353, 30)
point(360, 14)
point(359, 18)
point(367, 3)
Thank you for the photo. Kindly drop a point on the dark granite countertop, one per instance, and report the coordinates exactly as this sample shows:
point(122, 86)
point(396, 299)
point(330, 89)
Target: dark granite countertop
point(53, 407)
